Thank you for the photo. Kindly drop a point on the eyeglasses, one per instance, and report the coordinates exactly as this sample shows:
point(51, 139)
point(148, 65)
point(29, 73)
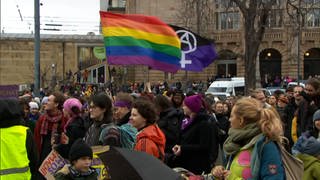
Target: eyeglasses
point(92, 107)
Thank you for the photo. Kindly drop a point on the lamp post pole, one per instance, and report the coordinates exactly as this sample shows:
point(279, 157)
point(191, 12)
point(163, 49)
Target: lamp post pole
point(299, 39)
point(36, 48)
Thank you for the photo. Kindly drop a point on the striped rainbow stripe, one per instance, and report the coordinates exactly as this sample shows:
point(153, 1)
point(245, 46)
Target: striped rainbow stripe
point(140, 40)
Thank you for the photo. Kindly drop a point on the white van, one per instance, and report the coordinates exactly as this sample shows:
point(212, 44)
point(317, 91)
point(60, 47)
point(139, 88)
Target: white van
point(222, 88)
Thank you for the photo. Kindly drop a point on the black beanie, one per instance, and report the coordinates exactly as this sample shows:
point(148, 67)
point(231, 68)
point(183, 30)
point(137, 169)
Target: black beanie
point(79, 149)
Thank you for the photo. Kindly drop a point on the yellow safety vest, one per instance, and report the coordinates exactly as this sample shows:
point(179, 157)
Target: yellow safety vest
point(14, 162)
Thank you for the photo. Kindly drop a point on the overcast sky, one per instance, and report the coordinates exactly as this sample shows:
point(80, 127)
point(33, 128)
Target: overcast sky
point(56, 16)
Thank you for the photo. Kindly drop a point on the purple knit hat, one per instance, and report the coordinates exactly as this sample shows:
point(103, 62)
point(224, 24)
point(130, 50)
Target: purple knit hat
point(194, 103)
point(71, 102)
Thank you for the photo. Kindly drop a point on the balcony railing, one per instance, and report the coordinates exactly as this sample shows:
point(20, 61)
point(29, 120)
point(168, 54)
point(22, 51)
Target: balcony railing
point(227, 37)
point(273, 36)
point(310, 35)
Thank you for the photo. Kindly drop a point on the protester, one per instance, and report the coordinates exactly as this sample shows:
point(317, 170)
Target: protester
point(122, 108)
point(199, 143)
point(80, 157)
point(316, 123)
point(223, 121)
point(252, 141)
point(290, 112)
point(101, 115)
point(170, 123)
point(150, 138)
point(122, 127)
point(33, 115)
point(307, 149)
point(50, 125)
point(259, 95)
point(307, 107)
point(74, 128)
point(177, 98)
point(19, 156)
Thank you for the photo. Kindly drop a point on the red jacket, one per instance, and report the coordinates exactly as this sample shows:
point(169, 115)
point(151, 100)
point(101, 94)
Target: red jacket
point(152, 141)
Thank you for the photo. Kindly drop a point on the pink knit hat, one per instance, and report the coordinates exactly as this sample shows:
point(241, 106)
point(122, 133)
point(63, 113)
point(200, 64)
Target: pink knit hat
point(71, 102)
point(194, 103)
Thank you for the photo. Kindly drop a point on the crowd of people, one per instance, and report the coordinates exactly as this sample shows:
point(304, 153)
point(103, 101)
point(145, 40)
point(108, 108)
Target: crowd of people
point(235, 138)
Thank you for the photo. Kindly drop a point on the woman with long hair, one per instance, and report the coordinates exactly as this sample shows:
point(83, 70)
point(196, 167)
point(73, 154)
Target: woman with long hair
point(74, 128)
point(251, 147)
point(101, 115)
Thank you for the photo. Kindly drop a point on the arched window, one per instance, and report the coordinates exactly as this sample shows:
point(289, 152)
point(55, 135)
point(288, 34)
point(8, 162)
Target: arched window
point(311, 62)
point(226, 64)
point(270, 67)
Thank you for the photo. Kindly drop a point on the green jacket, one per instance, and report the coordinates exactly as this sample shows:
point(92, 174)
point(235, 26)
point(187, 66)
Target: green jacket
point(311, 166)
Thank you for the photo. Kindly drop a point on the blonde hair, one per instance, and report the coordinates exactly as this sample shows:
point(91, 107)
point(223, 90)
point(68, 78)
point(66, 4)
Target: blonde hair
point(267, 119)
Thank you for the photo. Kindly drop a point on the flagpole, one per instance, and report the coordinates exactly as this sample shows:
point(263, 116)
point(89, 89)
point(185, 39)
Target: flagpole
point(186, 80)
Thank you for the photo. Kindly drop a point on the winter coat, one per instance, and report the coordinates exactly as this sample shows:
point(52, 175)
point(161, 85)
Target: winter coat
point(269, 159)
point(93, 134)
point(289, 111)
point(223, 124)
point(151, 140)
point(43, 142)
point(170, 124)
point(124, 119)
point(199, 145)
point(305, 115)
point(65, 174)
point(74, 131)
point(311, 167)
point(10, 115)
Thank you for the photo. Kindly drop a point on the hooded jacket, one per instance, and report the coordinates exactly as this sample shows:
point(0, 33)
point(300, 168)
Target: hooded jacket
point(11, 115)
point(152, 141)
point(311, 166)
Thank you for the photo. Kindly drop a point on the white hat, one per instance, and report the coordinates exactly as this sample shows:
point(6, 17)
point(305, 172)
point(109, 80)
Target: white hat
point(44, 100)
point(37, 100)
point(33, 105)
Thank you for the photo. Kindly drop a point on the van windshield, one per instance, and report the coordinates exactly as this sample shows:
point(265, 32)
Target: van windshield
point(217, 89)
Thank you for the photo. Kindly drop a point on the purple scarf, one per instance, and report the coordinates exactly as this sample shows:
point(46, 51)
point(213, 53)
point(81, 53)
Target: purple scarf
point(186, 123)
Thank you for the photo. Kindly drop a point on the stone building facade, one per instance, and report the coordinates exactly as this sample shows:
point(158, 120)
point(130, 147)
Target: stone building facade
point(278, 52)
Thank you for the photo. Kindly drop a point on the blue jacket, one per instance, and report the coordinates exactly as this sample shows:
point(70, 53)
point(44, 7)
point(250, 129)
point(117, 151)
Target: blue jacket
point(271, 166)
point(258, 160)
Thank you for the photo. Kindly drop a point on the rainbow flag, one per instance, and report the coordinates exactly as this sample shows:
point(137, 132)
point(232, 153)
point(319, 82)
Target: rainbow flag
point(140, 40)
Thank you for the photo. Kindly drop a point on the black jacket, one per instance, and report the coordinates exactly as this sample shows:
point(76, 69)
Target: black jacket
point(170, 124)
point(288, 115)
point(75, 130)
point(199, 145)
point(124, 119)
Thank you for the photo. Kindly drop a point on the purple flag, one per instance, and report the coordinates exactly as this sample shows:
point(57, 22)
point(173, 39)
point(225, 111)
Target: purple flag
point(197, 52)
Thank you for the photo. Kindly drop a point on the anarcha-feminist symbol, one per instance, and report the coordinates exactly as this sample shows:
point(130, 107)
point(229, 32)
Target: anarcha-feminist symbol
point(189, 42)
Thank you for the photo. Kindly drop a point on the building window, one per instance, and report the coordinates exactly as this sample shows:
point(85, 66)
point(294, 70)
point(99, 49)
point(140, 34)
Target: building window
point(312, 18)
point(117, 3)
point(86, 57)
point(275, 18)
point(224, 4)
point(227, 20)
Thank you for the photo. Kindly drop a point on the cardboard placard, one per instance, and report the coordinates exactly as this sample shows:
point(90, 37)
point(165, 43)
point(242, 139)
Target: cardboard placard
point(55, 162)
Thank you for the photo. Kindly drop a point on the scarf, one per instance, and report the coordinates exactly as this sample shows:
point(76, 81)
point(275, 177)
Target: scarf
point(186, 123)
point(53, 120)
point(78, 174)
point(240, 137)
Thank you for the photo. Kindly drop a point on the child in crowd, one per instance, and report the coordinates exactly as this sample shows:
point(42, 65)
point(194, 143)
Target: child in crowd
point(307, 149)
point(80, 156)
